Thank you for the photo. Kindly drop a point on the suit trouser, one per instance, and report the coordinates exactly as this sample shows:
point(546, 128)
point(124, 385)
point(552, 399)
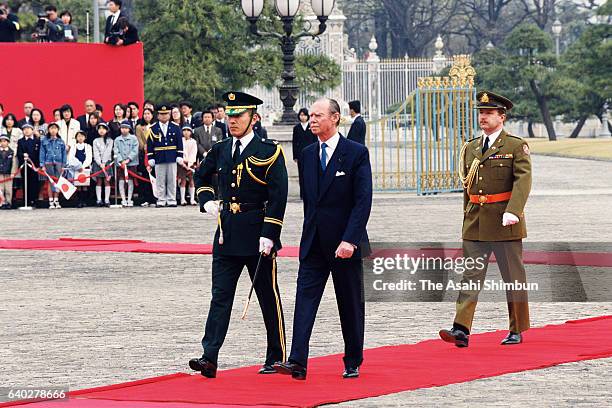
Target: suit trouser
point(347, 275)
point(6, 188)
point(509, 256)
point(225, 273)
point(166, 183)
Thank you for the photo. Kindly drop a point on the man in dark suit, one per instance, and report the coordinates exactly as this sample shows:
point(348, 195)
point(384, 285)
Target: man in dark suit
point(27, 111)
point(114, 6)
point(357, 132)
point(206, 135)
point(302, 137)
point(337, 202)
point(188, 118)
point(220, 122)
point(90, 108)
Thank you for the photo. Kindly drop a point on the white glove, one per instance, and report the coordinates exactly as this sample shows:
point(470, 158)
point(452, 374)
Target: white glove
point(179, 160)
point(212, 208)
point(265, 245)
point(151, 163)
point(509, 219)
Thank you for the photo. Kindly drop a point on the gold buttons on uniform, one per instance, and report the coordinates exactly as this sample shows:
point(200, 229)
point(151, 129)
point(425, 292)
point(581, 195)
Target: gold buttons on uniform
point(233, 171)
point(233, 184)
point(481, 166)
point(233, 198)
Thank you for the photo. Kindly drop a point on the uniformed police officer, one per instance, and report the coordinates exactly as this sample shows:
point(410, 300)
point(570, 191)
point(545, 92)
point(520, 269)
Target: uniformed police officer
point(164, 151)
point(252, 198)
point(496, 175)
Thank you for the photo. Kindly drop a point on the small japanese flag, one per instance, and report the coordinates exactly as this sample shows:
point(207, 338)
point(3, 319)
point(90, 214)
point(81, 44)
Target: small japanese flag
point(153, 185)
point(66, 187)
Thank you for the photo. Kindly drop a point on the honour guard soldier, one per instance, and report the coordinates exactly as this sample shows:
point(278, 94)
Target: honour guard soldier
point(164, 151)
point(496, 174)
point(252, 193)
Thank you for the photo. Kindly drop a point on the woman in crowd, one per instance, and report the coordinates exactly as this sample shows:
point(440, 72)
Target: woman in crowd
point(103, 156)
point(176, 115)
point(119, 111)
point(57, 115)
point(92, 128)
point(82, 152)
point(302, 137)
point(186, 169)
point(14, 134)
point(37, 119)
point(145, 191)
point(53, 160)
point(68, 126)
point(71, 32)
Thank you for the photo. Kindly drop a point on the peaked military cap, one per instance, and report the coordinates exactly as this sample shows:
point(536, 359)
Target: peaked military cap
point(239, 102)
point(489, 100)
point(164, 108)
point(27, 125)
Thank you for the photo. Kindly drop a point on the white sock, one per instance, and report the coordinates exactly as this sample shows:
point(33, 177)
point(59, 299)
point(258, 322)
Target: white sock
point(107, 193)
point(182, 194)
point(130, 189)
point(192, 194)
point(99, 193)
point(122, 189)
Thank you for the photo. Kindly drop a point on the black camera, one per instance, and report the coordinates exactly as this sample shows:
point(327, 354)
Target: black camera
point(40, 28)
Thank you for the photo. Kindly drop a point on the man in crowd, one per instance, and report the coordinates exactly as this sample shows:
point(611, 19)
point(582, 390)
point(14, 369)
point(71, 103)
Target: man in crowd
point(114, 7)
point(357, 132)
point(253, 192)
point(337, 201)
point(258, 127)
point(496, 170)
point(134, 113)
point(219, 111)
point(53, 30)
point(9, 24)
point(187, 111)
point(164, 152)
point(207, 134)
point(27, 111)
point(90, 108)
point(126, 34)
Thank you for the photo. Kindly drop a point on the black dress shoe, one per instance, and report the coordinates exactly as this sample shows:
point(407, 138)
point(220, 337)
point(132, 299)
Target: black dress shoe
point(203, 365)
point(297, 371)
point(455, 336)
point(351, 372)
point(267, 369)
point(512, 338)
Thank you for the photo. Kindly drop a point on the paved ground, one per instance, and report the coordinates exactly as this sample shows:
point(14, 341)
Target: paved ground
point(88, 319)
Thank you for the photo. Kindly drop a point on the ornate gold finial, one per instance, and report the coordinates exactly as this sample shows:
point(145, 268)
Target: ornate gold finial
point(461, 69)
point(231, 97)
point(484, 98)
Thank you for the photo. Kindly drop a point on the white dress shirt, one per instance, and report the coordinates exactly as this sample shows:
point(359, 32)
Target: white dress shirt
point(331, 143)
point(115, 17)
point(492, 137)
point(164, 128)
point(244, 142)
point(304, 125)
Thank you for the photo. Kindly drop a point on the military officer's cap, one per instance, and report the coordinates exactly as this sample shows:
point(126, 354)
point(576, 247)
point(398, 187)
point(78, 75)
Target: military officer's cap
point(102, 124)
point(164, 108)
point(27, 125)
point(53, 124)
point(187, 127)
point(489, 100)
point(239, 102)
point(126, 124)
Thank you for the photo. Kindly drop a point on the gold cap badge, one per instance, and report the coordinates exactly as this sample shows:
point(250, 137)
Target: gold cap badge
point(231, 97)
point(484, 98)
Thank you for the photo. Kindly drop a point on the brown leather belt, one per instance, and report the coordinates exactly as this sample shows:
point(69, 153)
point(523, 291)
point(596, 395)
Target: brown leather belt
point(490, 198)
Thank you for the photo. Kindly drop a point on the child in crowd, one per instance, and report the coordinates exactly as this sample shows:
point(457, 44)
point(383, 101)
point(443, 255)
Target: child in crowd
point(28, 148)
point(82, 152)
point(6, 169)
point(53, 159)
point(185, 169)
point(126, 157)
point(103, 155)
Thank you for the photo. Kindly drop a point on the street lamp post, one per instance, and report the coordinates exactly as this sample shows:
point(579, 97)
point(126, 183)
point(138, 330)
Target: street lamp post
point(556, 30)
point(287, 9)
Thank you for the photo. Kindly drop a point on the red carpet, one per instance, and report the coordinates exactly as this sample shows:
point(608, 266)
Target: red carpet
point(386, 370)
point(596, 259)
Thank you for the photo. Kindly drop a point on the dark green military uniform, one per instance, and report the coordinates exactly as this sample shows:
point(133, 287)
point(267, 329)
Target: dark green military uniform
point(497, 181)
point(253, 197)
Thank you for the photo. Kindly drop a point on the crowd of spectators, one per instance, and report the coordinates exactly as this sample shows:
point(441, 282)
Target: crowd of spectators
point(102, 149)
point(53, 27)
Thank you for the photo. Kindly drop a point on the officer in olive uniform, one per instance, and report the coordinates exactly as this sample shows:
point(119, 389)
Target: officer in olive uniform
point(496, 174)
point(252, 193)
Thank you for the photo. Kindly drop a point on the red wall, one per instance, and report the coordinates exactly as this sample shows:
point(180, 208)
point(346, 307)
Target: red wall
point(51, 75)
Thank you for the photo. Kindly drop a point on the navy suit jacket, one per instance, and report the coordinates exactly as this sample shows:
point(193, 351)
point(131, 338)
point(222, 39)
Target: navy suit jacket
point(357, 132)
point(339, 206)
